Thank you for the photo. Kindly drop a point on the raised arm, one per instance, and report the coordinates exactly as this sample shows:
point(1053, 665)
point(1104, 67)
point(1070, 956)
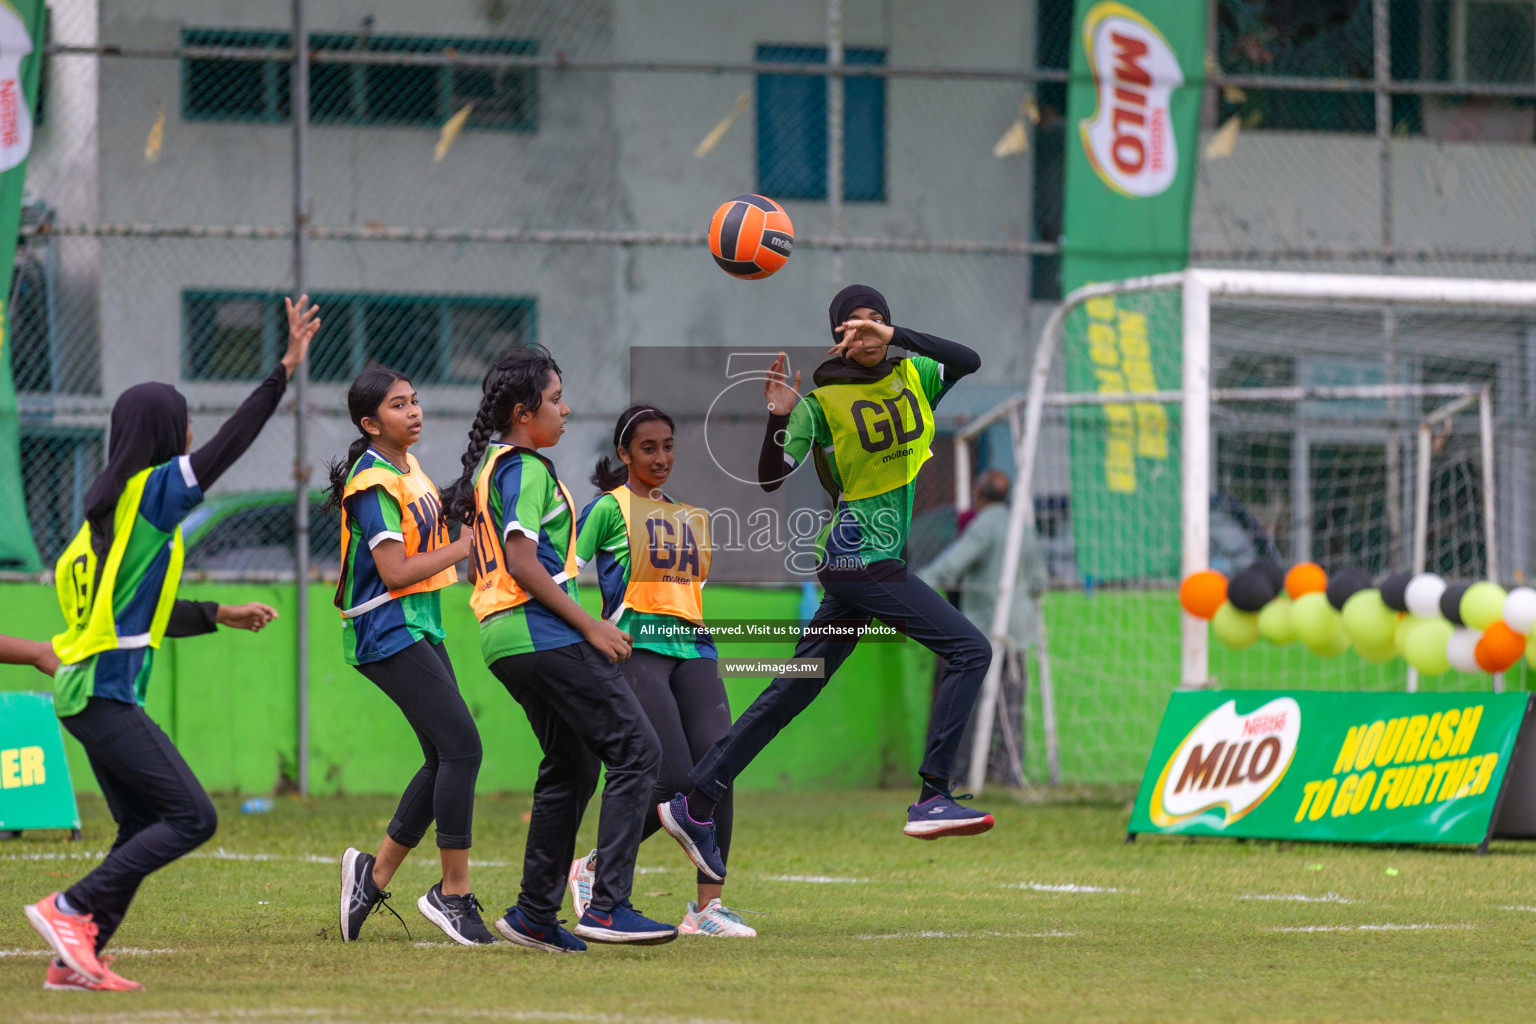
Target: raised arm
point(238, 432)
point(781, 399)
point(957, 360)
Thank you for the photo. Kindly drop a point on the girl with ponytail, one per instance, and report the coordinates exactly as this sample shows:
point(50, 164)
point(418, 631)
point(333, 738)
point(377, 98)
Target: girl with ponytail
point(555, 660)
point(653, 558)
point(395, 558)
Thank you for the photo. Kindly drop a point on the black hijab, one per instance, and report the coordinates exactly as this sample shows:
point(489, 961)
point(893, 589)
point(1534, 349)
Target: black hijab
point(149, 427)
point(841, 369)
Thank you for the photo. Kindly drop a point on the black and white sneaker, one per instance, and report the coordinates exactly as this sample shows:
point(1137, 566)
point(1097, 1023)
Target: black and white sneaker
point(359, 896)
point(457, 916)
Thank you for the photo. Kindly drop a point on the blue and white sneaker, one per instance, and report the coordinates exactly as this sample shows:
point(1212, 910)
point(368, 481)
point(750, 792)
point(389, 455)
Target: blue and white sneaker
point(551, 938)
point(697, 838)
point(579, 881)
point(623, 924)
point(942, 815)
point(715, 919)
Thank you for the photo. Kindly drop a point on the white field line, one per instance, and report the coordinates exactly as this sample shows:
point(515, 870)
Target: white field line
point(277, 858)
point(347, 1016)
point(126, 951)
point(964, 935)
point(813, 879)
point(1528, 910)
point(1375, 928)
point(1331, 897)
point(1068, 887)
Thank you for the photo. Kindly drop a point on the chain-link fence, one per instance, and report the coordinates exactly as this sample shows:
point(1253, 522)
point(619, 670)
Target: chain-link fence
point(472, 174)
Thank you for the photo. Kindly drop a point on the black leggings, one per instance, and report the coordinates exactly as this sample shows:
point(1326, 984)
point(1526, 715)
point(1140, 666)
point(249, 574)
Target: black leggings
point(161, 811)
point(420, 680)
point(685, 700)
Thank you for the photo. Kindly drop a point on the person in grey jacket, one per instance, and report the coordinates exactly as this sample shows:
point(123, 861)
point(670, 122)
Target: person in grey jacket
point(973, 566)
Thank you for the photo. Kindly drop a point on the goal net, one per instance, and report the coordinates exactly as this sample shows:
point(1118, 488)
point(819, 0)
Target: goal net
point(1210, 418)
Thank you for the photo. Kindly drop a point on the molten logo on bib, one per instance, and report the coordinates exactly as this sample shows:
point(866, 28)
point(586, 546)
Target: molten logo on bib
point(1129, 140)
point(1229, 762)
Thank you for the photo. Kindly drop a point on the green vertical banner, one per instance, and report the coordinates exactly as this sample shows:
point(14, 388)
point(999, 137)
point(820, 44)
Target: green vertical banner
point(1133, 116)
point(34, 777)
point(21, 23)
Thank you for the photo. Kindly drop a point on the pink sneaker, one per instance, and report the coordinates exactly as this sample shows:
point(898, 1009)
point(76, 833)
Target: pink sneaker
point(62, 978)
point(72, 936)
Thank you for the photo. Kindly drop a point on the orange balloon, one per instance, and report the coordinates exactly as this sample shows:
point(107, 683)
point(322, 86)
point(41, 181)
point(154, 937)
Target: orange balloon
point(1202, 593)
point(1305, 578)
point(1499, 648)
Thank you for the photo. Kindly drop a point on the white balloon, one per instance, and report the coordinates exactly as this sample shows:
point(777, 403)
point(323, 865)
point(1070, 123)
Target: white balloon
point(1423, 595)
point(1520, 610)
point(1461, 650)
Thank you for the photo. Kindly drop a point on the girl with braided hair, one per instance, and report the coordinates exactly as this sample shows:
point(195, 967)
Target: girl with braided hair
point(555, 660)
point(653, 557)
point(395, 560)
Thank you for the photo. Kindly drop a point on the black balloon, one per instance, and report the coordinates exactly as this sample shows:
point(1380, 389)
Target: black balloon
point(1450, 602)
point(1272, 571)
point(1394, 587)
point(1250, 590)
point(1344, 584)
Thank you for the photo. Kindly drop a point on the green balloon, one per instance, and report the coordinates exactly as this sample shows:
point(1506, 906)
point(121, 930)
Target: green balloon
point(1376, 654)
point(1368, 620)
point(1275, 623)
point(1482, 605)
point(1236, 629)
point(1317, 624)
point(1333, 645)
point(1425, 647)
point(1400, 632)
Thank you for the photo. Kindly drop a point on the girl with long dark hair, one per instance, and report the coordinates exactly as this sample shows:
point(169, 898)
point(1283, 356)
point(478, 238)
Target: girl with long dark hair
point(117, 588)
point(653, 557)
point(555, 660)
point(395, 558)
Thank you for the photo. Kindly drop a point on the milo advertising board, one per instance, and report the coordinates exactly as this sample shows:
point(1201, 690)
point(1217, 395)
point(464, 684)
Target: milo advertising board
point(1336, 767)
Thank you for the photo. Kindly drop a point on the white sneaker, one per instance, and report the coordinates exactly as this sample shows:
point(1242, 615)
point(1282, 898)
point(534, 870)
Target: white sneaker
point(716, 920)
point(579, 882)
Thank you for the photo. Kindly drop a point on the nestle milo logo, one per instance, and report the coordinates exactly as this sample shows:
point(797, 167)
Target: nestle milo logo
point(1129, 139)
point(1228, 762)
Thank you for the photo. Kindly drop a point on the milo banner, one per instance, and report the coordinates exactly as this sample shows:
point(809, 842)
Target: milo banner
point(1334, 767)
point(34, 777)
point(1133, 110)
point(20, 25)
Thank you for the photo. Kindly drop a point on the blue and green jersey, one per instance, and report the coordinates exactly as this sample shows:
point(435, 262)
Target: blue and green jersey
point(525, 498)
point(373, 517)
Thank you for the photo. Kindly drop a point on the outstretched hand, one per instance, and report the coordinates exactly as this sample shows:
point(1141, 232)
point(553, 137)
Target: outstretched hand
point(780, 395)
point(303, 323)
point(253, 616)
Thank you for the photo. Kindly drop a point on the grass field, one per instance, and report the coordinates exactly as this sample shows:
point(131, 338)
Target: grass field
point(1049, 917)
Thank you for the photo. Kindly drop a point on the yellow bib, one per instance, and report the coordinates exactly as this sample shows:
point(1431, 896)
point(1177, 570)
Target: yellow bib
point(669, 556)
point(86, 600)
point(881, 430)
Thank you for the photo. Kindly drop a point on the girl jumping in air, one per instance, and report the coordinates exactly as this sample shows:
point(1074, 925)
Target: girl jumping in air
point(117, 587)
point(868, 424)
point(555, 660)
point(653, 557)
point(396, 557)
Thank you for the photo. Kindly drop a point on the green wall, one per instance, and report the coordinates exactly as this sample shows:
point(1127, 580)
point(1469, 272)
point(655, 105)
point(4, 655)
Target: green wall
point(229, 701)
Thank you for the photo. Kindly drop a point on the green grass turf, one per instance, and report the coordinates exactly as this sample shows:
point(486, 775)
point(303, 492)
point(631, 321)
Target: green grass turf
point(929, 931)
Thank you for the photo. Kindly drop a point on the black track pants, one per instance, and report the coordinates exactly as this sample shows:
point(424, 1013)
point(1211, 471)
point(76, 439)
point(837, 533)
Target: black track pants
point(585, 718)
point(160, 808)
point(889, 592)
